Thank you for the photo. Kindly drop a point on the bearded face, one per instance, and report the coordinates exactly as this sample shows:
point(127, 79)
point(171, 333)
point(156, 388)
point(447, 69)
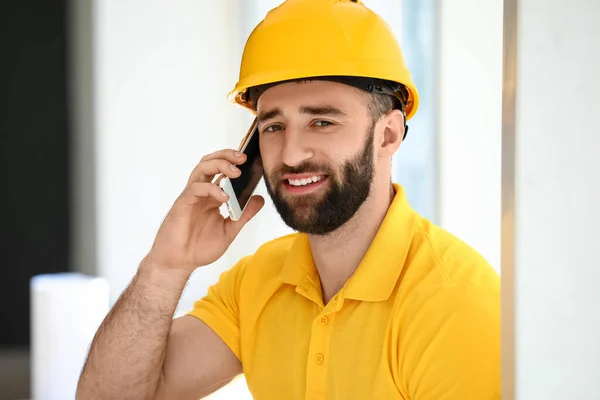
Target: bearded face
point(338, 194)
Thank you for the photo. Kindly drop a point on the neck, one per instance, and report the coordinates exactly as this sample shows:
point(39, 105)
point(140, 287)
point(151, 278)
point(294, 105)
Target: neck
point(338, 254)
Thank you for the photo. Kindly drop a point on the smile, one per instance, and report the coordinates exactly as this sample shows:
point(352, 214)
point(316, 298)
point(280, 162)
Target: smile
point(305, 184)
point(305, 181)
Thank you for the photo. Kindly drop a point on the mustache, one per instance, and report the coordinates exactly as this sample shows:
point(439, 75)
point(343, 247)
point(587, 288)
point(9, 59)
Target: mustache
point(305, 167)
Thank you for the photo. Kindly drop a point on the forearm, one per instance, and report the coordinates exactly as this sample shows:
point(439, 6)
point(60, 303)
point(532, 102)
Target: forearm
point(127, 354)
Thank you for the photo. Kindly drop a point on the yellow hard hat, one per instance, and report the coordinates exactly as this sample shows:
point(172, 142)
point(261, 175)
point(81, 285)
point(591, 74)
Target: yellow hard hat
point(324, 38)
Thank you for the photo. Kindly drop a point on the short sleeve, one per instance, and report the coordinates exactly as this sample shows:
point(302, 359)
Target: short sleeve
point(219, 309)
point(450, 348)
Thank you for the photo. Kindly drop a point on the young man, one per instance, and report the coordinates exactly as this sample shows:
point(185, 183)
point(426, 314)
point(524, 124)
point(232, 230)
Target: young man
point(367, 301)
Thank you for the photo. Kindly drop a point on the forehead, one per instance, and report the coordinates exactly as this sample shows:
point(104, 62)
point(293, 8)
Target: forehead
point(312, 93)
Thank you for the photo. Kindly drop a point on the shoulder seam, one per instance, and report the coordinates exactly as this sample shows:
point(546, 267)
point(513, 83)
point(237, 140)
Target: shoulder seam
point(435, 253)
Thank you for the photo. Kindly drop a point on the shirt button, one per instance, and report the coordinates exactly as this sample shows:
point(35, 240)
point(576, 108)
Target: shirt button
point(319, 358)
point(323, 320)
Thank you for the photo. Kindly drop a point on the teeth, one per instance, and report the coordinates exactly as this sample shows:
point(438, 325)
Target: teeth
point(305, 181)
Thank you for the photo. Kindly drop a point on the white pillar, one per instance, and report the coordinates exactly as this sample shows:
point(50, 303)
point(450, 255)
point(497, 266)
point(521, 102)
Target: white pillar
point(552, 202)
point(470, 109)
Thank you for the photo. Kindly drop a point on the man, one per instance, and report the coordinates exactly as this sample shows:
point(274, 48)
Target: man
point(368, 301)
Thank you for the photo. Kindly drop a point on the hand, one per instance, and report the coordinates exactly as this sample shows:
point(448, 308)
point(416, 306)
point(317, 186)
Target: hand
point(194, 233)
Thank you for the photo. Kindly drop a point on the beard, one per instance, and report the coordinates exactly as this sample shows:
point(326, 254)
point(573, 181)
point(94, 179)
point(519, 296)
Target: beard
point(325, 213)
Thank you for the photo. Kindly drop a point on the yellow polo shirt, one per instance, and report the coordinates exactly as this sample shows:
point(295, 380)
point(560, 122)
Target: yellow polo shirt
point(418, 320)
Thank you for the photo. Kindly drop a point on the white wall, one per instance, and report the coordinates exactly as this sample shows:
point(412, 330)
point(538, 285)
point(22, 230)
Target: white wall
point(557, 264)
point(470, 111)
point(162, 72)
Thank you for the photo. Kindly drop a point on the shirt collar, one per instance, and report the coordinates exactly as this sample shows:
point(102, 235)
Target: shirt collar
point(379, 270)
point(299, 262)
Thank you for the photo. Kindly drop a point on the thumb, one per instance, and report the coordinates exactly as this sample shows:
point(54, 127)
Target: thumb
point(255, 204)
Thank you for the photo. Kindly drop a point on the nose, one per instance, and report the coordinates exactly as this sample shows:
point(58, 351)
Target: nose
point(295, 149)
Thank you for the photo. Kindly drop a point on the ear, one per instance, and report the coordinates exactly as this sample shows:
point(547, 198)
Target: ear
point(393, 133)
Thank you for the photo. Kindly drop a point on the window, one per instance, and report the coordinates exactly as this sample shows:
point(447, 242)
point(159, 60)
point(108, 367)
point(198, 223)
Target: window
point(414, 24)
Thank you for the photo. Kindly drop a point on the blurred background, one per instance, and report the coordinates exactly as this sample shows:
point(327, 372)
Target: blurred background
point(106, 106)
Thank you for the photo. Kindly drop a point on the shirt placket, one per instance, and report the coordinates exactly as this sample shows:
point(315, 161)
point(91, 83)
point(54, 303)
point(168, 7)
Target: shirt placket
point(319, 354)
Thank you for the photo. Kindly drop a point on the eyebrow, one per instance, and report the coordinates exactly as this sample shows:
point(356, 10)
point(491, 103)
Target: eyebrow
point(310, 110)
point(323, 110)
point(267, 115)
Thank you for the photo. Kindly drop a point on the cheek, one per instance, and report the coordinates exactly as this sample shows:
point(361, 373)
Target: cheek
point(269, 154)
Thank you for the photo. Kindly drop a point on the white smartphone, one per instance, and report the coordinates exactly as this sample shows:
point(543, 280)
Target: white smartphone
point(241, 189)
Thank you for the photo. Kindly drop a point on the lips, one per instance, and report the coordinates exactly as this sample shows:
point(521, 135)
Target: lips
point(306, 183)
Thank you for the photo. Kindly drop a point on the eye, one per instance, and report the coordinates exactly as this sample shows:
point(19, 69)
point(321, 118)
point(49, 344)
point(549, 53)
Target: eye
point(323, 124)
point(272, 128)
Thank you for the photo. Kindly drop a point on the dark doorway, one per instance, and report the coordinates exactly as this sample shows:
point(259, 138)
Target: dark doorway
point(34, 156)
point(34, 169)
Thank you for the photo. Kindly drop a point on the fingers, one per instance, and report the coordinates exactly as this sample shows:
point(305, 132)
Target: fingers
point(254, 206)
point(220, 162)
point(203, 190)
point(217, 180)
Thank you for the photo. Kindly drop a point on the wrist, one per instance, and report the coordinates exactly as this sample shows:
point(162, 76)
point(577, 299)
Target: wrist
point(162, 274)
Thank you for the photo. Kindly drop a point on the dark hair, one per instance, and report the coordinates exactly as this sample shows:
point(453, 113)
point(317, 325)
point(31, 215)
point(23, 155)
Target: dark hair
point(379, 104)
point(382, 95)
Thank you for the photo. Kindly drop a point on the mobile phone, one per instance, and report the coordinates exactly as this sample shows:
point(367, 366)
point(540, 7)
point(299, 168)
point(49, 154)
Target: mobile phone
point(241, 188)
